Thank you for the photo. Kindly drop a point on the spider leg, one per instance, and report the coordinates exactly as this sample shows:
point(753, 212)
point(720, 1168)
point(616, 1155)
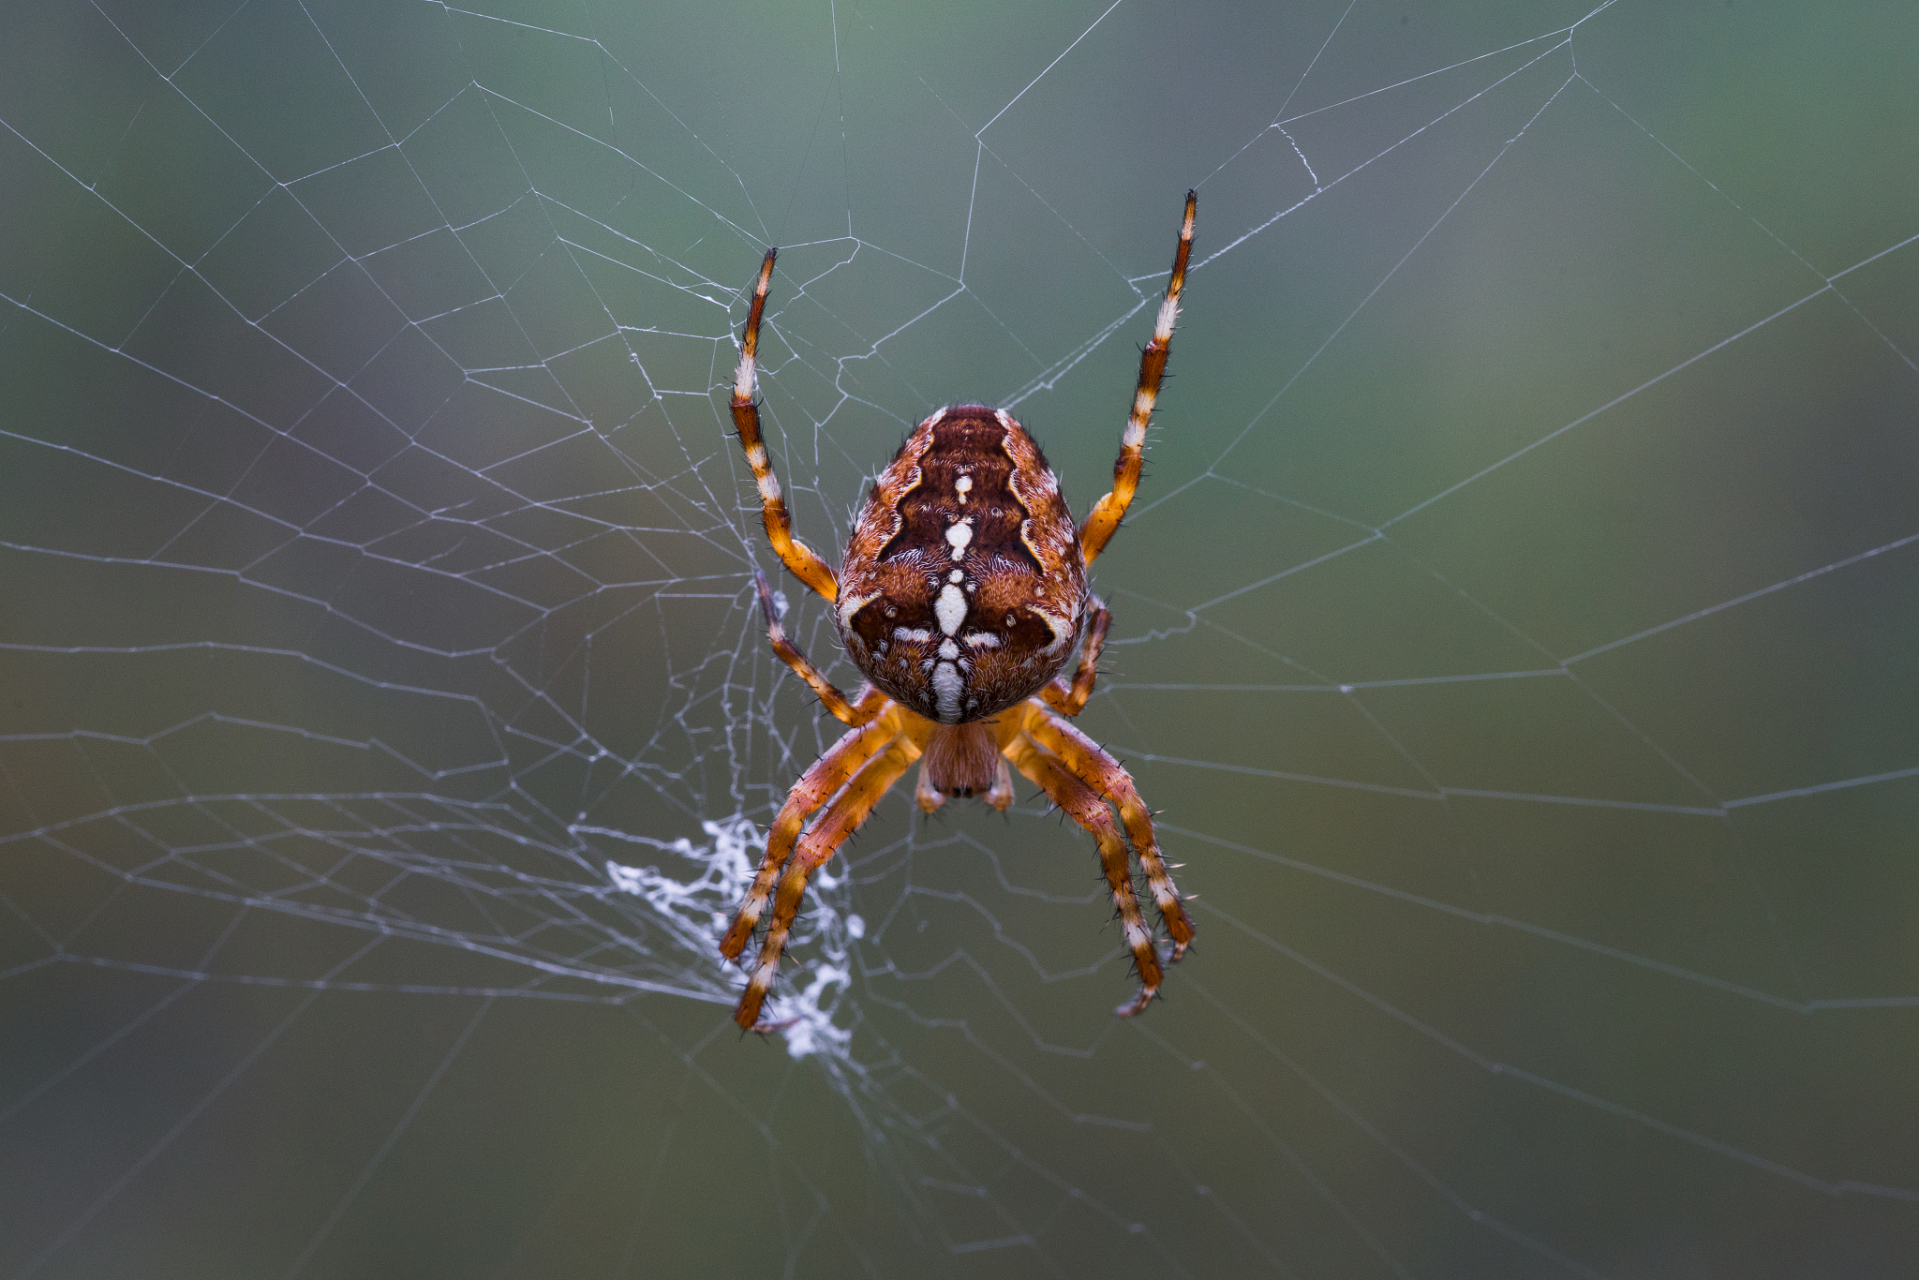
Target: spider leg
point(1090, 761)
point(815, 787)
point(1088, 808)
point(1069, 699)
point(804, 563)
point(871, 700)
point(1106, 513)
point(847, 811)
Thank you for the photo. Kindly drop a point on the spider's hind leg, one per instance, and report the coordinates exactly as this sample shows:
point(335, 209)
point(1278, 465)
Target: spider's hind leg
point(801, 559)
point(1107, 512)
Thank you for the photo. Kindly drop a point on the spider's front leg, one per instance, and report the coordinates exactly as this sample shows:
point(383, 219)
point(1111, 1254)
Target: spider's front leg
point(1088, 808)
point(815, 787)
point(818, 783)
point(848, 810)
point(1088, 760)
point(801, 559)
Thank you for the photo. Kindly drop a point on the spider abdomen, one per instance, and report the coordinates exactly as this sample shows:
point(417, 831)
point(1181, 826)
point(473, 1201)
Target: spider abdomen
point(963, 590)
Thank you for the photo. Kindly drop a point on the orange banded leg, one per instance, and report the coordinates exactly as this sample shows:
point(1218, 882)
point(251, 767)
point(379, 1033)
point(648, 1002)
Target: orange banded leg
point(1090, 761)
point(1088, 808)
point(1070, 699)
point(1107, 512)
point(848, 810)
point(870, 701)
point(815, 787)
point(804, 563)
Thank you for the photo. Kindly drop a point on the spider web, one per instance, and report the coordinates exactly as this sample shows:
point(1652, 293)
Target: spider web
point(1514, 630)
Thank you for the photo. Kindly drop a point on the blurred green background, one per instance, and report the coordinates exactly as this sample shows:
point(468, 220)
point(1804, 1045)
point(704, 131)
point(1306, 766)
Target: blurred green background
point(1514, 631)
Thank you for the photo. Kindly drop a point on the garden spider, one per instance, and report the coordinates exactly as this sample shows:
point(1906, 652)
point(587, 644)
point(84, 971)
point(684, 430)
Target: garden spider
point(961, 597)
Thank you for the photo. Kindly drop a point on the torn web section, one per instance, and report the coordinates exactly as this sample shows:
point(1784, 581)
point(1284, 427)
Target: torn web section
point(698, 891)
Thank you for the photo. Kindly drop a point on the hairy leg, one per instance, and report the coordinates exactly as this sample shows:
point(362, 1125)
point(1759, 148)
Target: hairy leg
point(1068, 699)
point(848, 810)
point(1088, 760)
point(815, 787)
point(871, 701)
point(1088, 808)
point(1107, 512)
point(804, 563)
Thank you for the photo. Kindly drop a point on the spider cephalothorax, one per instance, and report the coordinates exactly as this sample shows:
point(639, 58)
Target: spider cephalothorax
point(962, 596)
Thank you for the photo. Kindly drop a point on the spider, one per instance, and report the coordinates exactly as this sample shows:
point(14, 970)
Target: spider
point(961, 598)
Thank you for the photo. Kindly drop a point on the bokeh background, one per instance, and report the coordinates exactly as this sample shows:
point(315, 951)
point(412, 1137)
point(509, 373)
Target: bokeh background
point(1515, 631)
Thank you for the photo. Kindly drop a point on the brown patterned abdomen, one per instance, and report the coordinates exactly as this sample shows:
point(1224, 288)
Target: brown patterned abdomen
point(963, 590)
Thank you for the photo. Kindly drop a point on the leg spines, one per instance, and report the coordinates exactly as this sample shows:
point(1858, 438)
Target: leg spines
point(801, 559)
point(815, 787)
point(852, 713)
point(1105, 774)
point(1110, 509)
point(848, 810)
point(1070, 699)
point(1088, 808)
